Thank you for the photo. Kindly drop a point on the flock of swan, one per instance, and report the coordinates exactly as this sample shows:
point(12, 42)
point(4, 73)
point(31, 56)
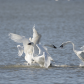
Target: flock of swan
point(35, 52)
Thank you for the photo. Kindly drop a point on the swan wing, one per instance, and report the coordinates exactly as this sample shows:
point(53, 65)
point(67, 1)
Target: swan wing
point(20, 50)
point(81, 55)
point(46, 61)
point(19, 39)
point(36, 36)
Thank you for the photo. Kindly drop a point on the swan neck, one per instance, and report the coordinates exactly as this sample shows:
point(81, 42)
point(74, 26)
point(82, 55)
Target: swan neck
point(73, 46)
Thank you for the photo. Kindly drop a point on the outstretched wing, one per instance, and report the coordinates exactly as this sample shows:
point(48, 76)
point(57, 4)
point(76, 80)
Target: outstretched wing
point(20, 50)
point(19, 39)
point(36, 36)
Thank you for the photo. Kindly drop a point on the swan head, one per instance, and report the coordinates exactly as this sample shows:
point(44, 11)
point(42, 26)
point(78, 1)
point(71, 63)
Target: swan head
point(62, 46)
point(31, 43)
point(54, 46)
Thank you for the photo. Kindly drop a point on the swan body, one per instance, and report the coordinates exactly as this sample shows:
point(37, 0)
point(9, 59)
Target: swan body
point(43, 58)
point(40, 60)
point(80, 54)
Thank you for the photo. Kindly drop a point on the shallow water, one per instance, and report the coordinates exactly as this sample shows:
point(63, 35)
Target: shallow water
point(57, 22)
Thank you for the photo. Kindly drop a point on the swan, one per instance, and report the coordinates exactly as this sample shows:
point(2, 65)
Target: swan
point(43, 58)
point(27, 49)
point(21, 39)
point(80, 54)
point(47, 57)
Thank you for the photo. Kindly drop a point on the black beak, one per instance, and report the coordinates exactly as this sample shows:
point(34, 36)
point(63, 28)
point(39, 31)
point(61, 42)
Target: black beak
point(61, 46)
point(54, 47)
point(29, 43)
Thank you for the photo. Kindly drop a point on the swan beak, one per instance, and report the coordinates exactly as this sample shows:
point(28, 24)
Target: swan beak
point(61, 46)
point(29, 43)
point(54, 47)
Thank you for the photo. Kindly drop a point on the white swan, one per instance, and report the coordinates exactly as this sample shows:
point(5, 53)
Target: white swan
point(80, 54)
point(27, 49)
point(47, 57)
point(43, 58)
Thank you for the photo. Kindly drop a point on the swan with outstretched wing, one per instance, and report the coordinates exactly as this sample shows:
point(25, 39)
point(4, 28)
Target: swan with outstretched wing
point(27, 49)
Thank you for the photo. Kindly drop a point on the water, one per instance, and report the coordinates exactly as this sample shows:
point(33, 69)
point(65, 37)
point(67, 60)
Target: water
point(57, 22)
